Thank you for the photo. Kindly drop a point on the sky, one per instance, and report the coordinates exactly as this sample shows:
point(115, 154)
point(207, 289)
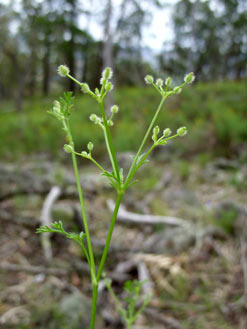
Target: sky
point(152, 36)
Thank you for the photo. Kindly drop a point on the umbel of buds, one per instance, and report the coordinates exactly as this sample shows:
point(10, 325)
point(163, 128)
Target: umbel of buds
point(182, 131)
point(63, 70)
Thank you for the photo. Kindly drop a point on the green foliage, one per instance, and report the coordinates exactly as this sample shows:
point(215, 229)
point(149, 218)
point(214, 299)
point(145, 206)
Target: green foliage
point(214, 113)
point(226, 220)
point(135, 302)
point(57, 227)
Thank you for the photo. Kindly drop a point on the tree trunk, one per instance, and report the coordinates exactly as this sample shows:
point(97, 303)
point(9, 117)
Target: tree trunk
point(46, 67)
point(108, 47)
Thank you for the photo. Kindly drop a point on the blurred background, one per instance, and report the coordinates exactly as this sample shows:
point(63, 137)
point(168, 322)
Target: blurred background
point(196, 267)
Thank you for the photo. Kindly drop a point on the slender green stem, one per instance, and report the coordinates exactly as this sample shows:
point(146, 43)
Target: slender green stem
point(86, 254)
point(74, 79)
point(117, 302)
point(141, 162)
point(83, 211)
point(132, 168)
point(108, 239)
point(92, 159)
point(103, 259)
point(147, 154)
point(94, 306)
point(108, 138)
point(129, 324)
point(84, 217)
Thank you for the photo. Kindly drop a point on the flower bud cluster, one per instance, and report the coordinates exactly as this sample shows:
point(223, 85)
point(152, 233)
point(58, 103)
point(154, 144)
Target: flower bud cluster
point(168, 81)
point(110, 123)
point(68, 148)
point(177, 90)
point(156, 131)
point(159, 83)
point(63, 70)
point(149, 79)
point(106, 75)
point(189, 78)
point(90, 147)
point(57, 111)
point(95, 119)
point(167, 132)
point(85, 154)
point(114, 109)
point(85, 88)
point(182, 131)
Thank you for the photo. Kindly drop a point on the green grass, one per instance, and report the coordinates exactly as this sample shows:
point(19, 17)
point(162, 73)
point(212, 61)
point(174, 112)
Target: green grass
point(215, 114)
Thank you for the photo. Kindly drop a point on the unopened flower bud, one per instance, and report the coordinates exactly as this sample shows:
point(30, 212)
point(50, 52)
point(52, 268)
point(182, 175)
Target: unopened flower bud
point(167, 132)
point(56, 106)
point(109, 86)
point(97, 93)
point(85, 88)
point(84, 154)
point(168, 81)
point(177, 90)
point(110, 123)
point(159, 83)
point(107, 73)
point(68, 148)
point(90, 146)
point(182, 131)
point(114, 109)
point(189, 78)
point(149, 79)
point(63, 70)
point(93, 117)
point(156, 130)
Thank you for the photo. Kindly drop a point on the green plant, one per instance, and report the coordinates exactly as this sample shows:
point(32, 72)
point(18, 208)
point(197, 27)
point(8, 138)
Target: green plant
point(62, 110)
point(135, 302)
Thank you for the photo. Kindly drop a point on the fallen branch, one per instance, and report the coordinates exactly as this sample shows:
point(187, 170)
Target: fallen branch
point(81, 267)
point(9, 267)
point(244, 264)
point(125, 216)
point(143, 275)
point(45, 219)
point(166, 320)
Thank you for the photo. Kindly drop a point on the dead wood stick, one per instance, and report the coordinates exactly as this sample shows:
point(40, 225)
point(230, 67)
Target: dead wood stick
point(166, 320)
point(143, 275)
point(125, 216)
point(244, 264)
point(45, 219)
point(62, 271)
point(9, 267)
